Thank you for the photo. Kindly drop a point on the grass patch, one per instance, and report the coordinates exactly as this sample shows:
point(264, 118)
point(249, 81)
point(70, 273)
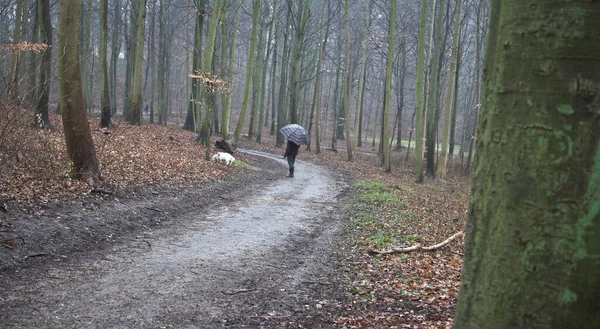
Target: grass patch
point(381, 239)
point(380, 197)
point(242, 163)
point(370, 186)
point(366, 220)
point(377, 192)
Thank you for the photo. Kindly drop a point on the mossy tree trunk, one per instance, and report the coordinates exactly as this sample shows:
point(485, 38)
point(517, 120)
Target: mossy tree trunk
point(45, 78)
point(193, 109)
point(226, 114)
point(14, 87)
point(419, 124)
point(114, 56)
point(80, 146)
point(363, 69)
point(434, 97)
point(441, 169)
point(319, 79)
point(281, 115)
point(388, 87)
point(250, 70)
point(346, 84)
point(532, 250)
point(257, 82)
point(300, 29)
point(209, 84)
point(104, 93)
point(263, 87)
point(133, 113)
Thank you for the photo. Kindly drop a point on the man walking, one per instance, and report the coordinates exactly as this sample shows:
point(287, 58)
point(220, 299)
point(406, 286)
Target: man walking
point(290, 153)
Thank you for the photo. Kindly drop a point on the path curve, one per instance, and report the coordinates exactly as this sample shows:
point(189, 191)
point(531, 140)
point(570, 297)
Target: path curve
point(235, 264)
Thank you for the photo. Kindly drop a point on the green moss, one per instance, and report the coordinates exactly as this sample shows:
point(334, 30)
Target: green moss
point(565, 109)
point(567, 297)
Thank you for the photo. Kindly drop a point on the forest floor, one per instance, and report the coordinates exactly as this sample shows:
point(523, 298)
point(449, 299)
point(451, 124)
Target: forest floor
point(172, 240)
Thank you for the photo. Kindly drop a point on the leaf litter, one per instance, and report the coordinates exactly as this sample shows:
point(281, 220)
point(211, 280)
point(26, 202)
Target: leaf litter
point(415, 290)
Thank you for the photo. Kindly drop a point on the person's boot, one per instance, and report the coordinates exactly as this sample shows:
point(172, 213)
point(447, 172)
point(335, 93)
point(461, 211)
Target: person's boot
point(291, 173)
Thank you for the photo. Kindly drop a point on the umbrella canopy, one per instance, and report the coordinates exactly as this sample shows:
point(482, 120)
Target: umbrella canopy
point(295, 133)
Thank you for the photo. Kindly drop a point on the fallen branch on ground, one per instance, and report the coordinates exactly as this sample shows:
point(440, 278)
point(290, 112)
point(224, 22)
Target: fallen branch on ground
point(417, 247)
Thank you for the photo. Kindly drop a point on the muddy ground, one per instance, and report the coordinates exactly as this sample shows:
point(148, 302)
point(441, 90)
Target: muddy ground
point(259, 250)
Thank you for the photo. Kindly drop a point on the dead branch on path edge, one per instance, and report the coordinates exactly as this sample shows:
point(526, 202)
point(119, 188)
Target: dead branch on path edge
point(417, 247)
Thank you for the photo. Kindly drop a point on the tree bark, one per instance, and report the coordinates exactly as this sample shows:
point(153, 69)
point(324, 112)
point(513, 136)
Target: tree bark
point(104, 94)
point(45, 78)
point(80, 146)
point(133, 111)
point(281, 117)
point(388, 87)
point(227, 105)
point(302, 19)
point(419, 126)
point(250, 71)
point(14, 86)
point(210, 86)
point(531, 249)
point(361, 82)
point(193, 111)
point(432, 126)
point(441, 169)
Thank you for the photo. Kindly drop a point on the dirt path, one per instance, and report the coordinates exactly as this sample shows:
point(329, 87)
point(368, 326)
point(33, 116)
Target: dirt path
point(250, 259)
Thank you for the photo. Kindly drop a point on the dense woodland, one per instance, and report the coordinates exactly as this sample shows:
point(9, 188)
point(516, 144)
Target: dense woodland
point(427, 79)
point(344, 70)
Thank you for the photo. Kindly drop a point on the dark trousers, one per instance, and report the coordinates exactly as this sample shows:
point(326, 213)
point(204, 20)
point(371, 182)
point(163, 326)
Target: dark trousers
point(291, 161)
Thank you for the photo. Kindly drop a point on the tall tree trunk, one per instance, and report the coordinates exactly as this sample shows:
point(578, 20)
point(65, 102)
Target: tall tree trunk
point(80, 146)
point(283, 83)
point(432, 127)
point(86, 69)
point(335, 132)
point(209, 77)
point(152, 60)
point(346, 84)
point(250, 70)
point(531, 248)
point(441, 169)
point(363, 70)
point(264, 75)
point(317, 92)
point(41, 108)
point(300, 28)
point(227, 106)
point(274, 82)
point(478, 91)
point(257, 83)
point(196, 89)
point(133, 111)
point(455, 103)
point(114, 56)
point(104, 93)
point(400, 95)
point(419, 126)
point(129, 53)
point(388, 87)
point(14, 86)
point(34, 60)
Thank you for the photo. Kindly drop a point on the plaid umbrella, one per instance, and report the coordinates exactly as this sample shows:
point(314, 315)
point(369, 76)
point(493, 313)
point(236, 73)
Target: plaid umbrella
point(295, 133)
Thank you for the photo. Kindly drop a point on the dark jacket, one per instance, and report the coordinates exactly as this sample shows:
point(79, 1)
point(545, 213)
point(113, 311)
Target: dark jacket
point(291, 149)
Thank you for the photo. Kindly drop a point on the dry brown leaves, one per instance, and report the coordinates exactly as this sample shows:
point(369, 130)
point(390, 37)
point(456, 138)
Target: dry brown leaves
point(36, 169)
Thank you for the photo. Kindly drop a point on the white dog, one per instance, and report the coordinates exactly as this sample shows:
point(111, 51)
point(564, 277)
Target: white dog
point(223, 157)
